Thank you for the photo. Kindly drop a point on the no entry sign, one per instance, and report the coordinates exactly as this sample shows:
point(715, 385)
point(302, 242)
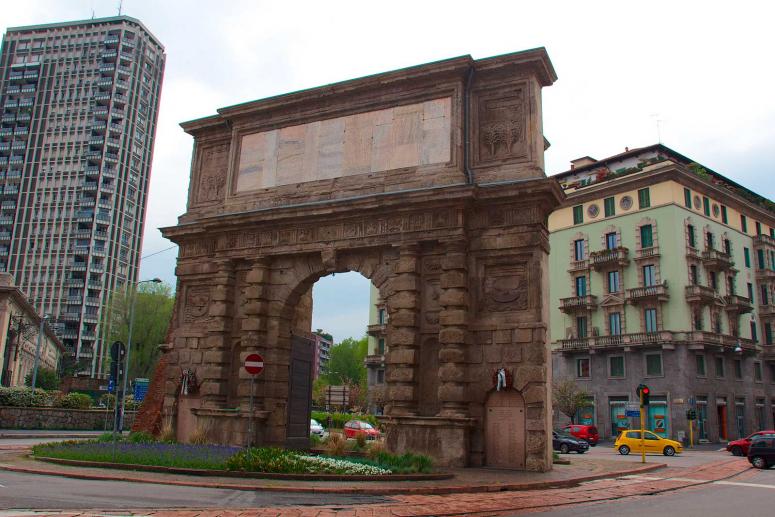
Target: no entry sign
point(254, 364)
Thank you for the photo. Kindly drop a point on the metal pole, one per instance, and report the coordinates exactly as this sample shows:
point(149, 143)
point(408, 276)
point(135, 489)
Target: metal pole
point(250, 417)
point(37, 352)
point(691, 434)
point(128, 349)
point(642, 432)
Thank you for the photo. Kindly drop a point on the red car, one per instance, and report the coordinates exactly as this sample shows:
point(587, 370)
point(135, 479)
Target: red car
point(740, 447)
point(355, 427)
point(588, 433)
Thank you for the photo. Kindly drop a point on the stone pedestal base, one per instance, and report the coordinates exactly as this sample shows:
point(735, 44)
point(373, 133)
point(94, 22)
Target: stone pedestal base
point(445, 439)
point(230, 426)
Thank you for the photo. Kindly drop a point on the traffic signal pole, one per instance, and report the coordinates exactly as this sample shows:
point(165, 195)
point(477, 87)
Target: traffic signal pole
point(642, 430)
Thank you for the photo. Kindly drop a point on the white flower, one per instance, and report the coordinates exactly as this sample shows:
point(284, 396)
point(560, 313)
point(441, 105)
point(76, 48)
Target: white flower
point(348, 466)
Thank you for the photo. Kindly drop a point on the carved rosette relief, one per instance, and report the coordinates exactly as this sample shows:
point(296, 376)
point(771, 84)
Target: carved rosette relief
point(212, 174)
point(502, 126)
point(505, 288)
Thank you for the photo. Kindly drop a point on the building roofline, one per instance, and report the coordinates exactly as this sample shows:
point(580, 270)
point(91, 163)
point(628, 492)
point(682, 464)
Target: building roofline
point(537, 57)
point(22, 300)
point(663, 148)
point(90, 21)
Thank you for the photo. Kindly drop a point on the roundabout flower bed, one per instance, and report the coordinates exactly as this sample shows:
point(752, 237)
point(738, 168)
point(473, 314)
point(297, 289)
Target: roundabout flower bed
point(232, 461)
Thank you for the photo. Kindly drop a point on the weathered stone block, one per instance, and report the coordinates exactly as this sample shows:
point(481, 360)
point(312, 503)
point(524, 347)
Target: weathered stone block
point(452, 355)
point(453, 298)
point(523, 335)
point(403, 300)
point(454, 261)
point(452, 372)
point(452, 392)
point(452, 335)
point(406, 264)
point(454, 278)
point(215, 356)
point(404, 318)
point(401, 393)
point(503, 336)
point(399, 374)
point(493, 354)
point(512, 353)
point(527, 374)
point(453, 317)
point(405, 283)
point(397, 356)
point(403, 336)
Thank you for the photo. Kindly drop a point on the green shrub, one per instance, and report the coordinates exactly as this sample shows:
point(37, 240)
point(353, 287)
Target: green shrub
point(315, 441)
point(339, 419)
point(108, 399)
point(141, 437)
point(106, 437)
point(403, 463)
point(75, 401)
point(46, 379)
point(360, 440)
point(266, 459)
point(22, 396)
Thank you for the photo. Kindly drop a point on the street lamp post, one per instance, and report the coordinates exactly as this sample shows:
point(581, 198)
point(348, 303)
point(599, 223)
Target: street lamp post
point(129, 345)
point(37, 351)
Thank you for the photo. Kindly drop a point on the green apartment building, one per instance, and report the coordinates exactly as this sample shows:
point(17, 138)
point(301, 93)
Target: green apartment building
point(662, 273)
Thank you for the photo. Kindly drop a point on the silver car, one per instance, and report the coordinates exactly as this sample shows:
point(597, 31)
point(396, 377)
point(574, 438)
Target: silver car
point(316, 429)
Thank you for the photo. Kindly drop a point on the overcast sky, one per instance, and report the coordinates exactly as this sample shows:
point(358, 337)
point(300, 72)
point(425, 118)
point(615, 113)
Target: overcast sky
point(704, 69)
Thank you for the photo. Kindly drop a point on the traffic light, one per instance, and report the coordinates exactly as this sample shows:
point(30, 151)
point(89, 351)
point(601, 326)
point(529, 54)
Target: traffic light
point(643, 394)
point(691, 414)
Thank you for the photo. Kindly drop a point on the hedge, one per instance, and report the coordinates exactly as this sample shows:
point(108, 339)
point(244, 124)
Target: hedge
point(339, 419)
point(22, 396)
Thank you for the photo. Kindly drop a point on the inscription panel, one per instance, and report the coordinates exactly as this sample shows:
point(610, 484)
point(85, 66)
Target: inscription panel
point(403, 136)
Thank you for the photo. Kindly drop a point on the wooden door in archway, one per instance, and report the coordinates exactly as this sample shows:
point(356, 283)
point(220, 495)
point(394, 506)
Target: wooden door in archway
point(299, 393)
point(505, 435)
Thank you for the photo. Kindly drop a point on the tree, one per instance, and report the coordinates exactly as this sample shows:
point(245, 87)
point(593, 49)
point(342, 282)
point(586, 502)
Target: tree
point(345, 364)
point(153, 309)
point(47, 379)
point(569, 398)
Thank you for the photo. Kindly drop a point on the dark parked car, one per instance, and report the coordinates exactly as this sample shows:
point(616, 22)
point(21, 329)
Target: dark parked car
point(566, 443)
point(761, 452)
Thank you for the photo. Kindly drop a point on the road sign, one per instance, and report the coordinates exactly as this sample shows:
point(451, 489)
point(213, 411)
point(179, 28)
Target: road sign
point(141, 388)
point(337, 396)
point(254, 364)
point(632, 410)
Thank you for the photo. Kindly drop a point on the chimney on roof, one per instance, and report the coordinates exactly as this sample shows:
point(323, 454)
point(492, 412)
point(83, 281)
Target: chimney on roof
point(581, 162)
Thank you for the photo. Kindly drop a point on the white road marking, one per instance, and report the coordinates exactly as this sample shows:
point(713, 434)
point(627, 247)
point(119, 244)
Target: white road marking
point(753, 485)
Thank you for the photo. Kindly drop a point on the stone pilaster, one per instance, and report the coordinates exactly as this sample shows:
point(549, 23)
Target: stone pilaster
point(216, 357)
point(453, 320)
point(253, 327)
point(403, 305)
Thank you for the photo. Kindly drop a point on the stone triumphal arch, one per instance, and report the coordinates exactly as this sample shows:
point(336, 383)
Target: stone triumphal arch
point(430, 182)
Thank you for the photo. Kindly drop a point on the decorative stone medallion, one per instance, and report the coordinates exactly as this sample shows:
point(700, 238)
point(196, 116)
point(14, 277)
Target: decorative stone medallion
point(625, 203)
point(593, 210)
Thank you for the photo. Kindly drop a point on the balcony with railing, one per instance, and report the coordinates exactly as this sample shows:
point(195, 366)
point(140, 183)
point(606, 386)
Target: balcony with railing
point(609, 258)
point(717, 260)
point(766, 310)
point(633, 340)
point(374, 361)
point(376, 329)
point(764, 240)
point(578, 303)
point(578, 265)
point(653, 293)
point(701, 339)
point(739, 304)
point(701, 294)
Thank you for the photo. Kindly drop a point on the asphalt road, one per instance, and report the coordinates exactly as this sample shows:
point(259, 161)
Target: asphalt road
point(688, 458)
point(30, 491)
point(742, 496)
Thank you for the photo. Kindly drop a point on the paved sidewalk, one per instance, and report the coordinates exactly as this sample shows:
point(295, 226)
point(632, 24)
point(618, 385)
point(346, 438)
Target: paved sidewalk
point(499, 503)
point(473, 480)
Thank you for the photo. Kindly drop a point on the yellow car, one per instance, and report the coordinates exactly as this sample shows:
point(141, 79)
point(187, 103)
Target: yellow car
point(630, 441)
